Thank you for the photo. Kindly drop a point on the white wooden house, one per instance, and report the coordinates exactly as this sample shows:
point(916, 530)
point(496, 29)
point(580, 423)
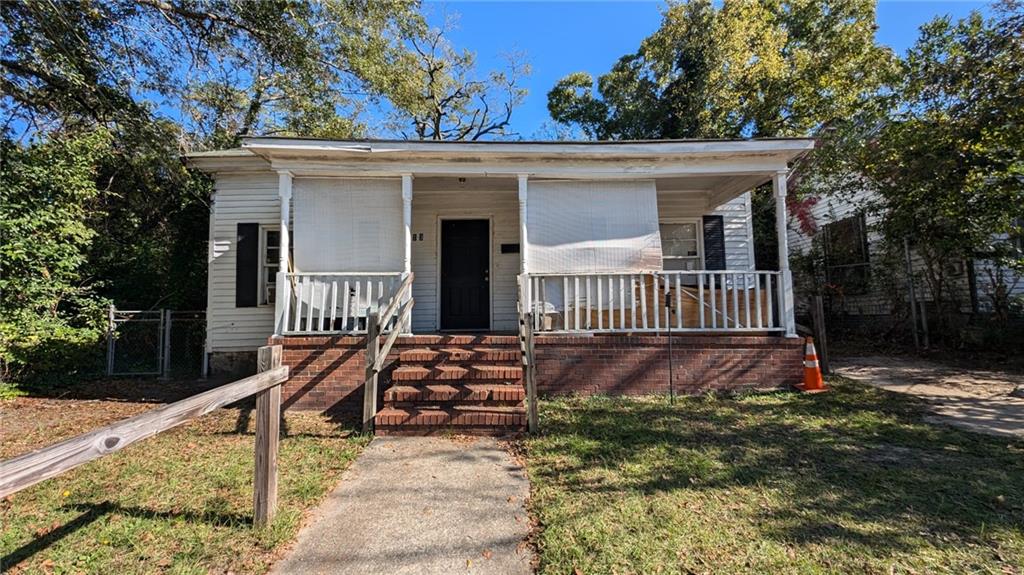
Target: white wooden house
point(307, 236)
point(841, 235)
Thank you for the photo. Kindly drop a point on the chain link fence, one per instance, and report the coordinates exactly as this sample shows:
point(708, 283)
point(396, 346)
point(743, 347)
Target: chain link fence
point(166, 343)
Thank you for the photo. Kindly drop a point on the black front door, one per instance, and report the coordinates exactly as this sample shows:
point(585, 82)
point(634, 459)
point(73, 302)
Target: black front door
point(465, 271)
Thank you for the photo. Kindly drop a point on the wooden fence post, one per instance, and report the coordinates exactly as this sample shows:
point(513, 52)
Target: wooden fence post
point(370, 382)
point(165, 344)
point(268, 430)
point(820, 334)
point(110, 340)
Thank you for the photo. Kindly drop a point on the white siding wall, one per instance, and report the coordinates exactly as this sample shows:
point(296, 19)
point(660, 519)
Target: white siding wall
point(428, 208)
point(736, 219)
point(242, 198)
point(984, 272)
point(876, 300)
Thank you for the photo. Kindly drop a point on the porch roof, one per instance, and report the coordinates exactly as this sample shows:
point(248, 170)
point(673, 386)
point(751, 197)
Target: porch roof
point(719, 169)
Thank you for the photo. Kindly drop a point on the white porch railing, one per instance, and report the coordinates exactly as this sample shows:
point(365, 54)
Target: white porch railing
point(685, 301)
point(334, 303)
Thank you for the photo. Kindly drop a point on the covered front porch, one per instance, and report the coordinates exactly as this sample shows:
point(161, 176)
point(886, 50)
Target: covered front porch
point(484, 233)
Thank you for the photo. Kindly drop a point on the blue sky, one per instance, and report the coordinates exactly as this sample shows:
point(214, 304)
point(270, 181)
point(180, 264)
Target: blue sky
point(563, 37)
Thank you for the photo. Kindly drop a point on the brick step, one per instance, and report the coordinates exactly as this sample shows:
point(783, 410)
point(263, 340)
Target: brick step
point(457, 419)
point(442, 373)
point(462, 393)
point(428, 356)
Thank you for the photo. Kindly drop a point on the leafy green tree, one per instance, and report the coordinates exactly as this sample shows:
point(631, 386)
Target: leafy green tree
point(50, 319)
point(437, 94)
point(230, 67)
point(742, 69)
point(944, 148)
point(159, 78)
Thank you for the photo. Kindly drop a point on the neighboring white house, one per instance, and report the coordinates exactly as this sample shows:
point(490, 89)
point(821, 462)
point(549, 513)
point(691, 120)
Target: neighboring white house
point(851, 252)
point(596, 227)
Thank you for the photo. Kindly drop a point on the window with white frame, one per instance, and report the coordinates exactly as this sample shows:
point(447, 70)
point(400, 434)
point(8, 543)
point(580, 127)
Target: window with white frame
point(681, 245)
point(270, 253)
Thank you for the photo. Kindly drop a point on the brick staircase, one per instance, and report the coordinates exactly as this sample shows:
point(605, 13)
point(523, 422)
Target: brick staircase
point(455, 384)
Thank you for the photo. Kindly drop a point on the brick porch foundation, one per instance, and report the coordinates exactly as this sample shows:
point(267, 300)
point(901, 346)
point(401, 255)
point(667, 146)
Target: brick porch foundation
point(638, 365)
point(327, 372)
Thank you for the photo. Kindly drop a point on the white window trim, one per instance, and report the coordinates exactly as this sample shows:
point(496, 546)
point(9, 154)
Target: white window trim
point(261, 285)
point(700, 238)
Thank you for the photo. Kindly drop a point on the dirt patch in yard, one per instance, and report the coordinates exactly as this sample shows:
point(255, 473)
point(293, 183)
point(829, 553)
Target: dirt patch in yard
point(982, 400)
point(55, 414)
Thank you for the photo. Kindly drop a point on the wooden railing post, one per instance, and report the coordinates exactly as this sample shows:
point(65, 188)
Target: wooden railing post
point(268, 430)
point(526, 323)
point(532, 418)
point(370, 386)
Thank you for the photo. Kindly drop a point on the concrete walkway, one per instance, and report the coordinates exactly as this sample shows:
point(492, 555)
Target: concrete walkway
point(420, 505)
point(974, 399)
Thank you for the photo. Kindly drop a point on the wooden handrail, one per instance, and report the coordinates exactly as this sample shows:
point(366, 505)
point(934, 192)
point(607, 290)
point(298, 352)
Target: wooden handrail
point(377, 355)
point(26, 470)
point(385, 317)
point(403, 315)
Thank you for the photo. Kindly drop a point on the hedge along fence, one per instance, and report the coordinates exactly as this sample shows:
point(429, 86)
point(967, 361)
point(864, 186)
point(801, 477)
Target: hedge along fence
point(27, 470)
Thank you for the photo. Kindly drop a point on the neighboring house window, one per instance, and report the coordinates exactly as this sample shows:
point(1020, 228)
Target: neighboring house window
point(1017, 235)
point(846, 254)
point(270, 253)
point(681, 247)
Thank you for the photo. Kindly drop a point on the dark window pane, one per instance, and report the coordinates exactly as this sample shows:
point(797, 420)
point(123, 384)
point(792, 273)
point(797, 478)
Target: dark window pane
point(273, 238)
point(846, 254)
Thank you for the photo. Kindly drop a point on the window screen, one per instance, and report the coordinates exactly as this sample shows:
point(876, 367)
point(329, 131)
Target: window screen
point(583, 226)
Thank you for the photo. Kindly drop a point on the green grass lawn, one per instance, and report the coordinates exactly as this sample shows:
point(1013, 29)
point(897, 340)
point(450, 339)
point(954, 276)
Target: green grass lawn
point(180, 502)
point(851, 481)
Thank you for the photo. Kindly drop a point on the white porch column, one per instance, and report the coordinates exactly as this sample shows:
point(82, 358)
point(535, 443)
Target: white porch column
point(407, 220)
point(407, 226)
point(522, 223)
point(786, 308)
point(283, 298)
point(526, 284)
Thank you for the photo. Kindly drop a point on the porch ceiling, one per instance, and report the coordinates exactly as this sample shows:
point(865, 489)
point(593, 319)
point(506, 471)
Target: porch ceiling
point(715, 190)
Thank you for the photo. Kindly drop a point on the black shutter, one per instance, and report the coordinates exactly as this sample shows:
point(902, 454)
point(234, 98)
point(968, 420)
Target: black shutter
point(714, 243)
point(247, 265)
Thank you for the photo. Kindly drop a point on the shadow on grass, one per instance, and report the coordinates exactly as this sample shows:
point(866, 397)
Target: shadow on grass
point(857, 457)
point(134, 390)
point(91, 512)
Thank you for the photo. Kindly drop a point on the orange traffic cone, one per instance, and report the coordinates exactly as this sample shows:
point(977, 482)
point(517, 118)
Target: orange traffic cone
point(812, 371)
